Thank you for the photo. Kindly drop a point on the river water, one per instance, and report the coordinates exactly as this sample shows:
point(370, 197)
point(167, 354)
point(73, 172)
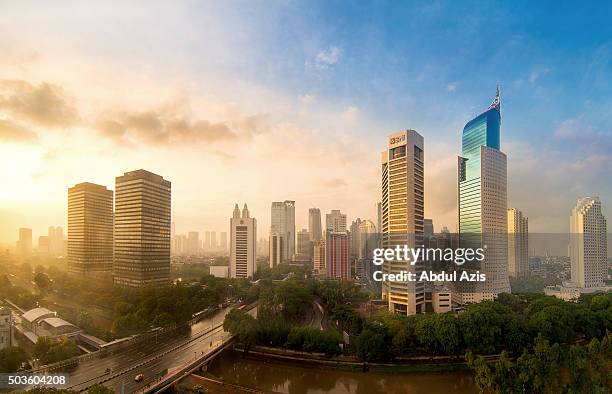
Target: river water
point(275, 377)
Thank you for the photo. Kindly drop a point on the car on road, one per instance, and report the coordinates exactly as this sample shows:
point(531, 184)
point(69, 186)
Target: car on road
point(139, 378)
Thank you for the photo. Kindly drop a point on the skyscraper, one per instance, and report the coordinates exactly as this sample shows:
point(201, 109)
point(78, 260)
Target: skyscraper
point(354, 239)
point(142, 229)
point(588, 244)
point(283, 224)
point(90, 230)
point(318, 258)
point(518, 243)
point(223, 242)
point(335, 221)
point(277, 249)
point(193, 243)
point(304, 246)
point(213, 240)
point(56, 240)
point(402, 207)
point(24, 245)
point(207, 241)
point(482, 203)
point(243, 238)
point(314, 224)
point(337, 255)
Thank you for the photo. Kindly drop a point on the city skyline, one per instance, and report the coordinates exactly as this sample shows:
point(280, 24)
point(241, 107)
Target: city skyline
point(62, 122)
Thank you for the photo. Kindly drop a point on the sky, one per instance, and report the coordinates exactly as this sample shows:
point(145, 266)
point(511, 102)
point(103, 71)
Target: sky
point(256, 101)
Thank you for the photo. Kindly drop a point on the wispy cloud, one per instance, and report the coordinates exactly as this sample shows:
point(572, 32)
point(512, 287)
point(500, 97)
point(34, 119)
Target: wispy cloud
point(536, 74)
point(351, 113)
point(44, 105)
point(451, 87)
point(306, 98)
point(12, 132)
point(328, 57)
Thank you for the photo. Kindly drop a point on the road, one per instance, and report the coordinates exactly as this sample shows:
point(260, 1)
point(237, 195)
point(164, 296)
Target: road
point(150, 359)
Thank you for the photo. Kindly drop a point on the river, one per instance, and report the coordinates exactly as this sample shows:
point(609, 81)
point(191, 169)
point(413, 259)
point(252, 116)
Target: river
point(275, 377)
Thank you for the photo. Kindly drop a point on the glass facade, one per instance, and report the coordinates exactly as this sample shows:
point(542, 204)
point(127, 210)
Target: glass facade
point(484, 130)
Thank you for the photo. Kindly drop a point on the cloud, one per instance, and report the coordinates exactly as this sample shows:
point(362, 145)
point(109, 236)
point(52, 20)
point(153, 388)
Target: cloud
point(328, 57)
point(351, 113)
point(155, 128)
point(584, 137)
point(44, 105)
point(451, 87)
point(334, 183)
point(536, 74)
point(12, 132)
point(306, 98)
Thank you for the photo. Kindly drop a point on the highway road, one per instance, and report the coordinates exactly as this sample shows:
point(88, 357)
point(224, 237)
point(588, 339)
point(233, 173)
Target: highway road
point(151, 359)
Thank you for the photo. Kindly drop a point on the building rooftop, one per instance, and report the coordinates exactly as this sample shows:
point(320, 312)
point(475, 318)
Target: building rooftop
point(56, 322)
point(35, 314)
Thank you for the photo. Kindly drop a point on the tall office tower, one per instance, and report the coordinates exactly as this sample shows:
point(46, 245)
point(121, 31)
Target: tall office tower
point(223, 241)
point(482, 204)
point(318, 257)
point(6, 328)
point(588, 243)
point(314, 224)
point(263, 247)
point(56, 240)
point(213, 240)
point(428, 228)
point(283, 223)
point(402, 216)
point(277, 249)
point(142, 229)
point(304, 246)
point(44, 245)
point(206, 245)
point(181, 244)
point(193, 243)
point(354, 239)
point(243, 238)
point(24, 245)
point(378, 216)
point(518, 243)
point(337, 255)
point(368, 240)
point(90, 230)
point(335, 221)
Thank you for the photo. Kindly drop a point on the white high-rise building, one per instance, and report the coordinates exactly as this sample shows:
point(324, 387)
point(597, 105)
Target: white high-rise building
point(335, 221)
point(518, 243)
point(588, 243)
point(243, 243)
point(283, 224)
point(402, 206)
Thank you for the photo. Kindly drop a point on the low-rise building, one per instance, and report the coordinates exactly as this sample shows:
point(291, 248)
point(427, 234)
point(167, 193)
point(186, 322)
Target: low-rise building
point(219, 271)
point(6, 328)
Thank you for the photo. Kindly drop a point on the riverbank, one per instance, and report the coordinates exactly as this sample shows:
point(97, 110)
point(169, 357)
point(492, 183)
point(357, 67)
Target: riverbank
point(351, 363)
point(283, 376)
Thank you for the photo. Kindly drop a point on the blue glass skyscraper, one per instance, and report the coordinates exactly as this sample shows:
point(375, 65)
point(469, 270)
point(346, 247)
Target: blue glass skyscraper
point(482, 202)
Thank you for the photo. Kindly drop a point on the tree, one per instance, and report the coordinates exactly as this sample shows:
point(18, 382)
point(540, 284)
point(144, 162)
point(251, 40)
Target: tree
point(42, 281)
point(372, 344)
point(11, 359)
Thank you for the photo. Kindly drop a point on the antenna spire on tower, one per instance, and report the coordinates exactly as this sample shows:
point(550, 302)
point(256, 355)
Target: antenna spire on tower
point(496, 101)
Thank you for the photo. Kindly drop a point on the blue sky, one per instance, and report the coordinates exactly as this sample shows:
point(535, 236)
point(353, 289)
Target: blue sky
point(305, 92)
